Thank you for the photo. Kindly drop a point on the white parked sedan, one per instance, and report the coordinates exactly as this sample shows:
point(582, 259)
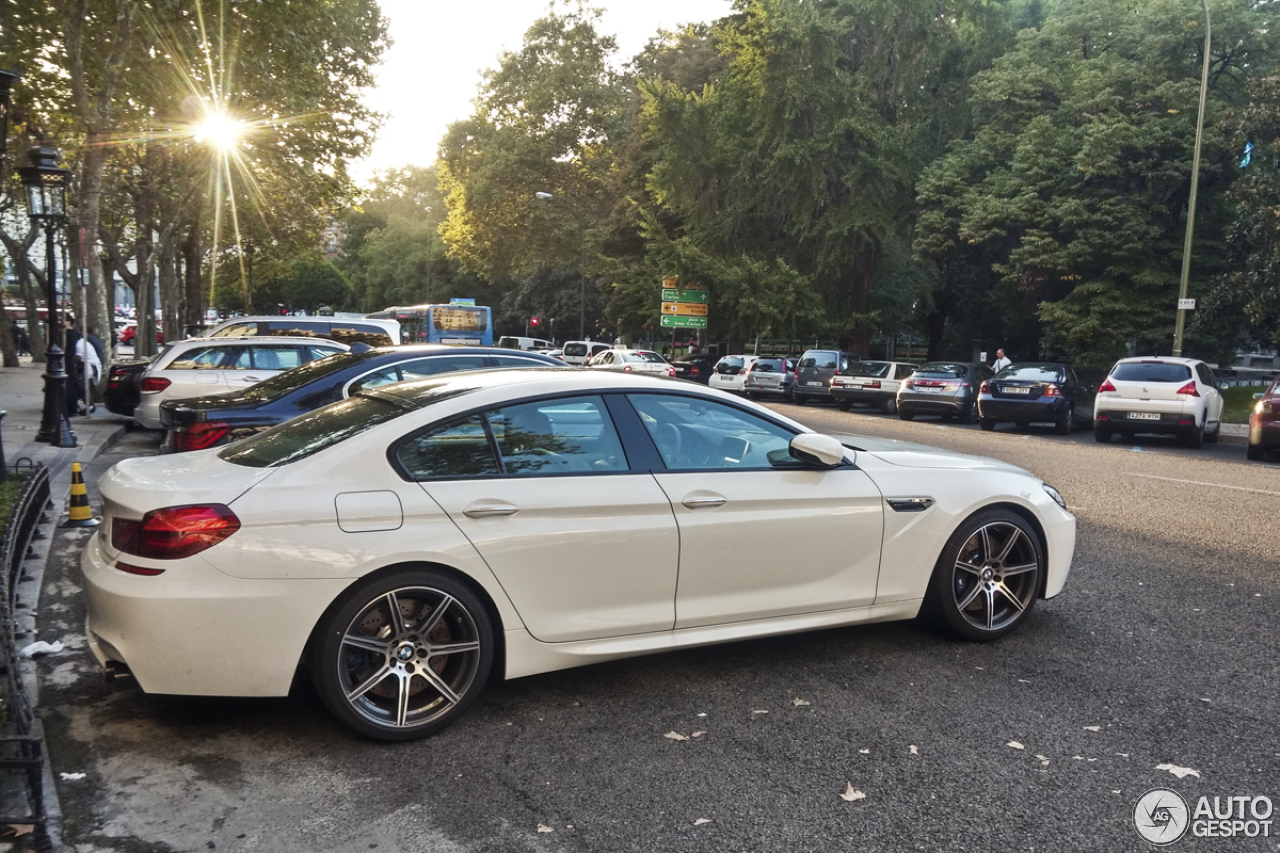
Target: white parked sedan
point(198, 367)
point(632, 361)
point(400, 542)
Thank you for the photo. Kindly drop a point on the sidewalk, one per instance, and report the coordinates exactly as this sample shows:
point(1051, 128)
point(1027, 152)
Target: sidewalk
point(22, 400)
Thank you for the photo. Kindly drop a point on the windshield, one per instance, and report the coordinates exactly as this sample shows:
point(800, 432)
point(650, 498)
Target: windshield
point(1032, 373)
point(312, 432)
point(283, 383)
point(877, 369)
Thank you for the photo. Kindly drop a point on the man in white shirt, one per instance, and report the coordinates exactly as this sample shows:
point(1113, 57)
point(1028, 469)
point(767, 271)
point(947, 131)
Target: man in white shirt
point(1002, 361)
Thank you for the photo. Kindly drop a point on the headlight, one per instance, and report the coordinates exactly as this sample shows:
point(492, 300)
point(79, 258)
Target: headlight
point(1053, 493)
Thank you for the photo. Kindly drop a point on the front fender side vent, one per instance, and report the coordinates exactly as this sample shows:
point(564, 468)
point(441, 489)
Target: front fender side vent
point(910, 504)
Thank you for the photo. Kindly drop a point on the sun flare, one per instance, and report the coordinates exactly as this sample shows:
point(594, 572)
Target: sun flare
point(221, 131)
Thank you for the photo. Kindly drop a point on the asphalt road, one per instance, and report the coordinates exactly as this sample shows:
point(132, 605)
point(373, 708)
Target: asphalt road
point(1161, 651)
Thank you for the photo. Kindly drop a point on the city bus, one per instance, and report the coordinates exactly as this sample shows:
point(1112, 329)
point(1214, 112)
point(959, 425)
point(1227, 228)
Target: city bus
point(456, 323)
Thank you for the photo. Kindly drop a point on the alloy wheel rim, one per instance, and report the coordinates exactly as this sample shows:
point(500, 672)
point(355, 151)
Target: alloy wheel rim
point(408, 657)
point(995, 576)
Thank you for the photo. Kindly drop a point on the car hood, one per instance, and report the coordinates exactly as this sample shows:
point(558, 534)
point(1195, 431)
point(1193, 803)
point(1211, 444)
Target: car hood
point(908, 455)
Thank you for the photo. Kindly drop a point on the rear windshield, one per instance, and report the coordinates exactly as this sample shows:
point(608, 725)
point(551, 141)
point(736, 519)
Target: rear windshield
point(820, 360)
point(877, 369)
point(575, 349)
point(1031, 373)
point(731, 361)
point(1151, 371)
point(943, 368)
point(282, 383)
point(647, 357)
point(312, 432)
point(770, 365)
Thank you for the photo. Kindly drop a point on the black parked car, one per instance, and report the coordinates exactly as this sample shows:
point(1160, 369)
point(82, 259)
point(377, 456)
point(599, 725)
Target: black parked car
point(200, 422)
point(695, 366)
point(1030, 392)
point(124, 386)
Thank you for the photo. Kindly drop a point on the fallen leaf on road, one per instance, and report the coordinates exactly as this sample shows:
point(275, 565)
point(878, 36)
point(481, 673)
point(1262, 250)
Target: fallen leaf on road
point(1180, 772)
point(865, 751)
point(674, 736)
point(697, 734)
point(542, 827)
point(1015, 745)
point(700, 821)
point(1044, 760)
point(759, 712)
point(72, 777)
point(913, 749)
point(1093, 728)
point(851, 793)
point(800, 703)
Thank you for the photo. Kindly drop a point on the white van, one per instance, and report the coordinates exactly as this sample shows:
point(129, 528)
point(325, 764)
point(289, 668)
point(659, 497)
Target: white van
point(527, 344)
point(341, 329)
point(580, 352)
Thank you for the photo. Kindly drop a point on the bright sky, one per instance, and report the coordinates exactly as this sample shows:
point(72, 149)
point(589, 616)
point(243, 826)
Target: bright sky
point(430, 75)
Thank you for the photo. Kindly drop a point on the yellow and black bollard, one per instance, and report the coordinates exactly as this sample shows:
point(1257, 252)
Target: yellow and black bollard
point(78, 513)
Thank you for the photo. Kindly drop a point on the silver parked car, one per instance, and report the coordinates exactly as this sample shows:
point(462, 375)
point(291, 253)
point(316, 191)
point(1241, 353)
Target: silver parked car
point(770, 376)
point(945, 388)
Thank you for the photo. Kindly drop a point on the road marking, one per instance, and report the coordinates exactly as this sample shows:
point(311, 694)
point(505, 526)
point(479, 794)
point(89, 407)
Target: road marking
point(1202, 483)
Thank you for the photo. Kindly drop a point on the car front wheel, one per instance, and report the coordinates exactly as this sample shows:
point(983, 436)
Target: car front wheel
point(402, 655)
point(1254, 452)
point(988, 576)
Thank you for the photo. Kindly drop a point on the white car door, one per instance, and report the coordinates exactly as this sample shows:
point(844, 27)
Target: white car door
point(758, 541)
point(584, 547)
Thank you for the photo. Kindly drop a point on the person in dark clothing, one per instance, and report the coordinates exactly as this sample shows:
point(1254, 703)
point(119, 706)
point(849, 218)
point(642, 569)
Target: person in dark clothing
point(20, 340)
point(72, 366)
point(96, 342)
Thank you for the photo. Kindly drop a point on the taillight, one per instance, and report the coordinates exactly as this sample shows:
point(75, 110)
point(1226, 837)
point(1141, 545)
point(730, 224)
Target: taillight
point(1190, 389)
point(671, 371)
point(626, 369)
point(152, 384)
point(175, 532)
point(875, 384)
point(908, 384)
point(1106, 386)
point(693, 371)
point(1051, 391)
point(984, 388)
point(200, 436)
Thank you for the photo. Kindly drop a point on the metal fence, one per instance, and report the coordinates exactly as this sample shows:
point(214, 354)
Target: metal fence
point(21, 735)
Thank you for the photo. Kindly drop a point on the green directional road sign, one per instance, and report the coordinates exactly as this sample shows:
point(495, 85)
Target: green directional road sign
point(669, 322)
point(671, 294)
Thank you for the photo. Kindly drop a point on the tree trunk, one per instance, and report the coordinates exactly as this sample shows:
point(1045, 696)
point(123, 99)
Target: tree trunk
point(192, 281)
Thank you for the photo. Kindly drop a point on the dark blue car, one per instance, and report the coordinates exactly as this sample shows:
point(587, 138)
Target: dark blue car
point(199, 422)
point(1031, 392)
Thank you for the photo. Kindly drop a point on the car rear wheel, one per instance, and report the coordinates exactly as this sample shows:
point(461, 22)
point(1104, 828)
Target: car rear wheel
point(1101, 434)
point(969, 415)
point(402, 655)
point(906, 416)
point(1254, 452)
point(988, 576)
point(889, 406)
point(1212, 437)
point(844, 405)
point(1062, 426)
point(987, 424)
point(1195, 438)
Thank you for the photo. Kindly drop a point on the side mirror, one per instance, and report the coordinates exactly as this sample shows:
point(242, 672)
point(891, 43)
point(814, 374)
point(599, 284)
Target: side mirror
point(820, 451)
point(1258, 396)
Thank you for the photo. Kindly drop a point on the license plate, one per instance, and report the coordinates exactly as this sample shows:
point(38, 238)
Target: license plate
point(932, 389)
point(853, 385)
point(1016, 390)
point(1144, 416)
point(818, 384)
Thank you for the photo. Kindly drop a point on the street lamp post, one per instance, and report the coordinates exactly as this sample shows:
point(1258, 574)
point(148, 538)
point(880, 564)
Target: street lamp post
point(1191, 203)
point(46, 185)
point(582, 282)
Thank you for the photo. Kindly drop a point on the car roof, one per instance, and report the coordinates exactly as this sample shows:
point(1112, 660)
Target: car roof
point(256, 339)
point(1150, 359)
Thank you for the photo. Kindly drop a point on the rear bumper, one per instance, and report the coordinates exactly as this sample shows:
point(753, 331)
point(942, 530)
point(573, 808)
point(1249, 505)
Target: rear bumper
point(920, 404)
point(822, 392)
point(1022, 410)
point(1265, 434)
point(1179, 423)
point(866, 396)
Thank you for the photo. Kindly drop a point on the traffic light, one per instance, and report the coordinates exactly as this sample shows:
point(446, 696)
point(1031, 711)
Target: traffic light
point(534, 322)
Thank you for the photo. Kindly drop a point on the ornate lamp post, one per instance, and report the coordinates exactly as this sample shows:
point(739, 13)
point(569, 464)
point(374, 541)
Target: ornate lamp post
point(46, 185)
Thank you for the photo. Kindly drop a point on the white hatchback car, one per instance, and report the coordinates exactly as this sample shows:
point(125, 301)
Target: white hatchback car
point(404, 544)
point(1159, 394)
point(730, 372)
point(198, 367)
point(632, 361)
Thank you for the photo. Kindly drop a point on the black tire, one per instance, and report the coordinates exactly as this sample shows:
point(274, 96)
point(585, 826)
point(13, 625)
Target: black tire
point(438, 647)
point(969, 415)
point(906, 416)
point(988, 576)
point(1101, 434)
point(1212, 437)
point(1022, 424)
point(1062, 426)
point(1195, 439)
point(890, 406)
point(1254, 452)
point(798, 399)
point(987, 424)
point(844, 405)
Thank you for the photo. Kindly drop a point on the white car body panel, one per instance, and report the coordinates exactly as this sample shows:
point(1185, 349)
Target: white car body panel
point(732, 381)
point(563, 594)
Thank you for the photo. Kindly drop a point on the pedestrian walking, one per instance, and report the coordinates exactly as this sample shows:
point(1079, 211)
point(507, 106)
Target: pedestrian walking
point(98, 346)
point(21, 342)
point(1002, 361)
point(72, 364)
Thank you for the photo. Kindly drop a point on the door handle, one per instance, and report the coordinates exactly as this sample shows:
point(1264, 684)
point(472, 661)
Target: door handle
point(490, 509)
point(698, 503)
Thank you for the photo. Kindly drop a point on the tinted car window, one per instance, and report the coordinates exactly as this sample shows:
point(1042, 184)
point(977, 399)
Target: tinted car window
point(281, 384)
point(203, 358)
point(311, 433)
point(518, 361)
point(874, 369)
point(275, 358)
point(770, 365)
point(1151, 371)
point(706, 435)
point(456, 449)
point(565, 435)
point(943, 368)
point(1031, 373)
point(575, 349)
point(820, 360)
